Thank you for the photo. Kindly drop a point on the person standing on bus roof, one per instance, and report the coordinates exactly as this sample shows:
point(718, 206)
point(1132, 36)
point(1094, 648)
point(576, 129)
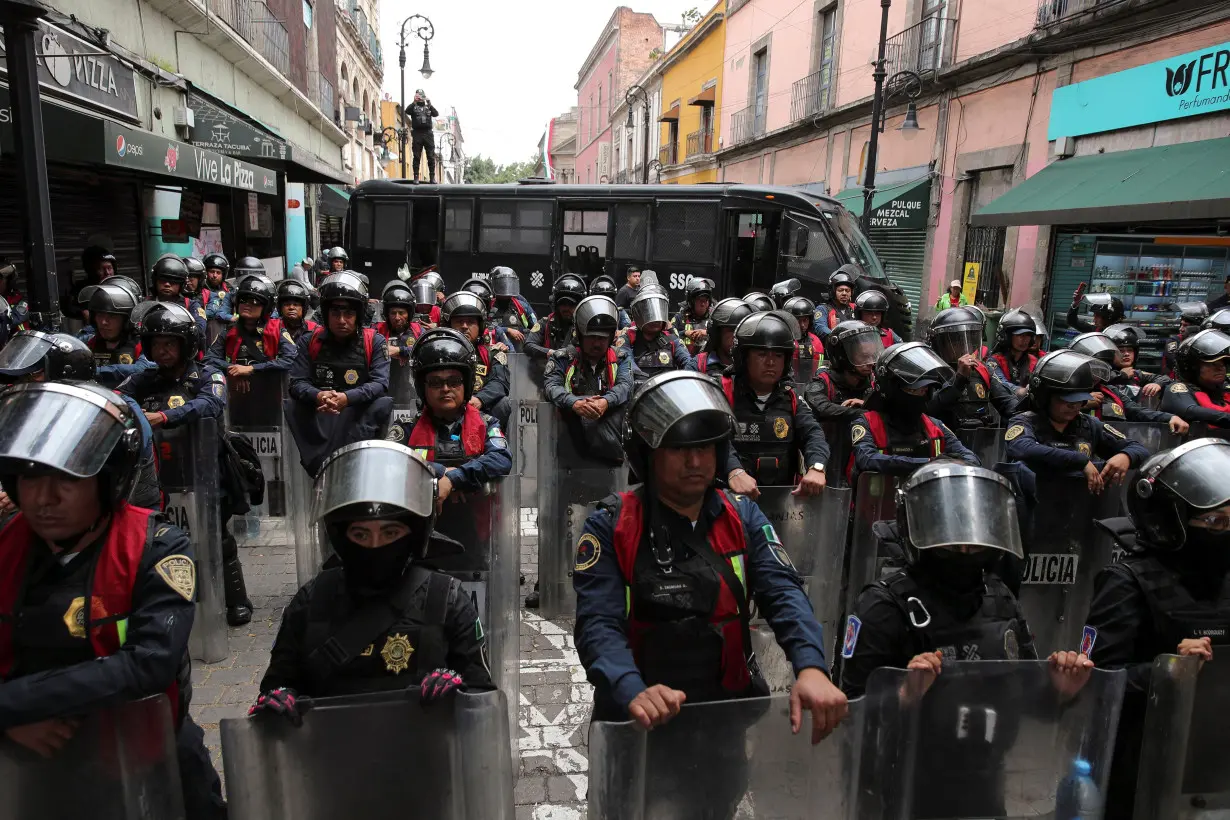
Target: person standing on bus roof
point(421, 113)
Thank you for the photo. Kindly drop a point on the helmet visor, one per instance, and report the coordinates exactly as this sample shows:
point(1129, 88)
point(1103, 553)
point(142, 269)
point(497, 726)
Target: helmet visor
point(596, 316)
point(24, 353)
point(59, 426)
point(1200, 476)
point(919, 366)
point(1097, 346)
point(862, 348)
point(674, 411)
point(375, 472)
point(954, 342)
point(650, 308)
point(424, 293)
point(506, 286)
point(928, 506)
point(1210, 345)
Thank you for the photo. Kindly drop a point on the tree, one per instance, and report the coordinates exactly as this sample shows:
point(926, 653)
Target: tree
point(482, 170)
point(691, 17)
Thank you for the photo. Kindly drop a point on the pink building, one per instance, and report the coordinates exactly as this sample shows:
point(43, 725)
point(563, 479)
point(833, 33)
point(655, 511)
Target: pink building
point(992, 113)
point(620, 55)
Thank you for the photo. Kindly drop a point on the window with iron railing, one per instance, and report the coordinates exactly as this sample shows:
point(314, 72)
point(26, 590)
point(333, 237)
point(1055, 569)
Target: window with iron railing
point(252, 20)
point(699, 143)
point(922, 48)
point(745, 126)
point(1056, 11)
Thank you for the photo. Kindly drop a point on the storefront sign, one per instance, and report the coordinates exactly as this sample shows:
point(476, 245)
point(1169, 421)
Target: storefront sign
point(142, 151)
point(1184, 86)
point(908, 212)
point(219, 130)
point(69, 66)
point(969, 283)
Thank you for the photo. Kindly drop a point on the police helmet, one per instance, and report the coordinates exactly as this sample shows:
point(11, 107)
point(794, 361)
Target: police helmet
point(759, 301)
point(911, 365)
point(424, 293)
point(58, 356)
point(782, 291)
point(1105, 305)
point(464, 303)
point(397, 296)
point(480, 288)
point(45, 427)
point(218, 261)
point(649, 308)
point(567, 288)
point(443, 348)
point(677, 408)
point(852, 344)
point(504, 281)
point(292, 290)
point(603, 286)
point(870, 301)
point(249, 265)
point(596, 316)
point(1129, 336)
point(343, 286)
point(697, 287)
point(801, 308)
point(773, 330)
point(1205, 347)
point(171, 268)
point(109, 297)
point(377, 480)
point(956, 332)
point(1096, 345)
point(1068, 375)
point(925, 501)
point(432, 276)
point(1193, 313)
point(170, 320)
point(337, 252)
point(1013, 323)
point(1219, 320)
point(729, 312)
point(845, 275)
point(649, 281)
point(258, 288)
point(1176, 485)
point(195, 266)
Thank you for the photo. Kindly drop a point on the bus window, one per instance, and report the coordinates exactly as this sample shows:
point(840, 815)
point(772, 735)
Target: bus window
point(585, 242)
point(389, 226)
point(751, 240)
point(425, 234)
point(458, 224)
point(631, 231)
point(806, 251)
point(362, 224)
point(685, 232)
point(515, 227)
point(854, 243)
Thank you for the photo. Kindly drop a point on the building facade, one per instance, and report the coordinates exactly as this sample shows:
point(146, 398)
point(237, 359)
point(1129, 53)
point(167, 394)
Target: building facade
point(691, 97)
point(557, 150)
point(360, 74)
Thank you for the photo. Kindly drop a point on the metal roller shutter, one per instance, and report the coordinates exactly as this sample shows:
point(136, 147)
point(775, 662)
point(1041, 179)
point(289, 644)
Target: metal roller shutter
point(901, 252)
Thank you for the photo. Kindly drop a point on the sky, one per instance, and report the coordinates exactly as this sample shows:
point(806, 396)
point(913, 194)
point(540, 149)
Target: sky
point(507, 67)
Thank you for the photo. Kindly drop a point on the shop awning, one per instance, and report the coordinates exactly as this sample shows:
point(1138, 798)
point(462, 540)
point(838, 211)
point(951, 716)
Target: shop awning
point(706, 97)
point(904, 205)
point(1187, 181)
point(135, 149)
point(671, 114)
point(333, 200)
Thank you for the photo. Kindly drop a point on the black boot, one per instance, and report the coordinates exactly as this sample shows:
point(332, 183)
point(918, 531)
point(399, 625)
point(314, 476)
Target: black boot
point(531, 600)
point(238, 605)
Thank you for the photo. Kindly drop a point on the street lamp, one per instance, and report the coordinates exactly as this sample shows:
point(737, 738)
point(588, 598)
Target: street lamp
point(450, 139)
point(630, 96)
point(657, 166)
point(424, 30)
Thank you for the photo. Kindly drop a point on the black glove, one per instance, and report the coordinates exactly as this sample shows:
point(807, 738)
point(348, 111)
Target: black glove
point(438, 684)
point(282, 701)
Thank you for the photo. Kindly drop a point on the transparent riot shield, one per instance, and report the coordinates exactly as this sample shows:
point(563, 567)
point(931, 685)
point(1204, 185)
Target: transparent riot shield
point(804, 370)
point(489, 569)
point(837, 434)
point(120, 764)
point(875, 499)
point(526, 386)
point(813, 532)
point(986, 442)
point(1063, 558)
point(569, 484)
point(1000, 739)
point(311, 547)
point(1184, 767)
point(405, 399)
point(1154, 436)
point(215, 328)
point(1202, 430)
point(377, 757)
point(254, 410)
point(189, 477)
point(739, 759)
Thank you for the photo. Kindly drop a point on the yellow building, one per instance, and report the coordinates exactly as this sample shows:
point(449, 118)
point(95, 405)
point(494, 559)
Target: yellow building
point(691, 97)
point(390, 157)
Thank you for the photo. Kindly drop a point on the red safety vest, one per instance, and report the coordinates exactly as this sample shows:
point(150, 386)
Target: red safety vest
point(1005, 366)
point(271, 336)
point(728, 387)
point(115, 575)
point(318, 340)
point(727, 539)
point(886, 337)
point(817, 346)
point(1204, 400)
point(879, 436)
point(416, 330)
point(473, 434)
point(612, 369)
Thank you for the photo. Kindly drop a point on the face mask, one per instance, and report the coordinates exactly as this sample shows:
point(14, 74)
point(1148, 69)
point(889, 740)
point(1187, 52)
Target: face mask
point(370, 572)
point(906, 407)
point(961, 572)
point(1207, 551)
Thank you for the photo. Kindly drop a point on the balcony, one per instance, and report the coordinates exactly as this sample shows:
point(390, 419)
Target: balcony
point(252, 20)
point(813, 95)
point(668, 154)
point(1056, 11)
point(748, 124)
point(367, 35)
point(923, 48)
point(699, 143)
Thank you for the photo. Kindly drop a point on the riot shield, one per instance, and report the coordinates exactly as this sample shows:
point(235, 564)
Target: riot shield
point(569, 484)
point(1153, 435)
point(1184, 758)
point(189, 476)
point(738, 758)
point(1064, 555)
point(1202, 430)
point(377, 757)
point(254, 410)
point(986, 442)
point(837, 434)
point(804, 370)
point(813, 532)
point(1001, 739)
point(405, 399)
point(120, 764)
point(875, 499)
point(215, 328)
point(311, 546)
point(522, 432)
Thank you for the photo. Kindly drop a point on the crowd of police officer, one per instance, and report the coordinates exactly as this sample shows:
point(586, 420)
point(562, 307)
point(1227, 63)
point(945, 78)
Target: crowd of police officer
point(704, 408)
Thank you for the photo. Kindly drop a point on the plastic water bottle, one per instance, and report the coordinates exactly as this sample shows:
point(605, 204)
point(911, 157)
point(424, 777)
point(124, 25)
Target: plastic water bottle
point(1078, 797)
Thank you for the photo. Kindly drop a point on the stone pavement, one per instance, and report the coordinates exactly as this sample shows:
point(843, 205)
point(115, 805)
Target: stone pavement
point(553, 708)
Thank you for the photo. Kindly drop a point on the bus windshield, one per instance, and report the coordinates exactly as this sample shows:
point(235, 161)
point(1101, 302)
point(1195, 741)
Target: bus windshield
point(854, 243)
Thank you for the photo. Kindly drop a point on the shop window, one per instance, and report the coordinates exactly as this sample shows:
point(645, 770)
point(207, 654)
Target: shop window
point(515, 227)
point(458, 225)
point(685, 232)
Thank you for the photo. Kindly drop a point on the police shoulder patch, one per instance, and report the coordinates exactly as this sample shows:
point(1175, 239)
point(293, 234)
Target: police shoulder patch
point(218, 390)
point(179, 573)
point(853, 627)
point(1014, 431)
point(286, 336)
point(219, 378)
point(1113, 431)
point(857, 433)
point(1089, 637)
point(589, 548)
point(500, 357)
point(1172, 345)
point(537, 327)
point(1178, 387)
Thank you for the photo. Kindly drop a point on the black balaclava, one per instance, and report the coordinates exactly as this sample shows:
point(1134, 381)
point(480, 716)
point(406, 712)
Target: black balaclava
point(371, 572)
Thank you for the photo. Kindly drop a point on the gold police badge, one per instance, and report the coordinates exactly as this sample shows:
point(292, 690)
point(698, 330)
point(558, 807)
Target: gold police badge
point(175, 401)
point(125, 358)
point(780, 428)
point(74, 618)
point(979, 390)
point(396, 653)
point(664, 357)
point(1085, 449)
point(351, 377)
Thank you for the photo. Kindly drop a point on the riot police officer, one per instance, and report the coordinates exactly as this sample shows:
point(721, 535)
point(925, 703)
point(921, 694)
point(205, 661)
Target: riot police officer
point(1112, 401)
point(116, 348)
point(1167, 595)
point(511, 311)
point(340, 378)
point(256, 342)
point(337, 259)
point(1127, 339)
point(605, 286)
point(169, 274)
point(78, 540)
point(497, 335)
point(759, 302)
point(398, 326)
point(1218, 320)
point(426, 310)
point(724, 318)
point(555, 330)
point(691, 323)
point(215, 292)
point(841, 388)
point(196, 279)
point(1199, 392)
point(591, 381)
point(1054, 436)
point(294, 301)
point(809, 345)
point(895, 435)
point(974, 398)
point(654, 349)
point(382, 620)
point(1107, 309)
point(464, 447)
point(665, 576)
point(784, 291)
point(840, 307)
point(1192, 316)
point(466, 313)
point(871, 307)
point(777, 440)
point(1011, 360)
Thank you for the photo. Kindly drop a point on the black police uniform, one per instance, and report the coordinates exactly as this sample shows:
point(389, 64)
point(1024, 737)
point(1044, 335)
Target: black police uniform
point(493, 383)
point(1180, 399)
point(111, 363)
point(422, 135)
point(1017, 372)
point(1033, 440)
point(1127, 408)
point(549, 334)
point(909, 446)
point(770, 438)
point(567, 379)
point(199, 393)
point(828, 390)
point(650, 357)
point(973, 401)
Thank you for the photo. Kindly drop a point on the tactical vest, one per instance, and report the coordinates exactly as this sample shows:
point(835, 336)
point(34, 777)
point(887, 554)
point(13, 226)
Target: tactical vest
point(690, 324)
point(1018, 373)
point(1112, 407)
point(404, 339)
point(765, 439)
point(684, 626)
point(810, 348)
point(993, 633)
point(929, 445)
point(587, 381)
point(654, 357)
point(1206, 401)
point(973, 408)
point(1177, 614)
point(126, 352)
point(425, 441)
point(512, 315)
point(482, 370)
point(839, 314)
point(555, 334)
point(243, 347)
point(349, 370)
point(172, 393)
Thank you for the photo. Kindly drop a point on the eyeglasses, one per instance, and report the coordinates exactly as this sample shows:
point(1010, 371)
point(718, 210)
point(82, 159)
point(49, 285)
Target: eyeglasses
point(1213, 522)
point(445, 383)
point(250, 300)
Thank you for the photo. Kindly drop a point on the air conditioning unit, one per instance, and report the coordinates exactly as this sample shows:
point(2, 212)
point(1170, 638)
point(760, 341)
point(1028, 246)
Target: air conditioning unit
point(347, 164)
point(185, 117)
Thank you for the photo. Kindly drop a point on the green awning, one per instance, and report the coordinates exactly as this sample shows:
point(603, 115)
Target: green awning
point(904, 205)
point(1187, 181)
point(333, 200)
